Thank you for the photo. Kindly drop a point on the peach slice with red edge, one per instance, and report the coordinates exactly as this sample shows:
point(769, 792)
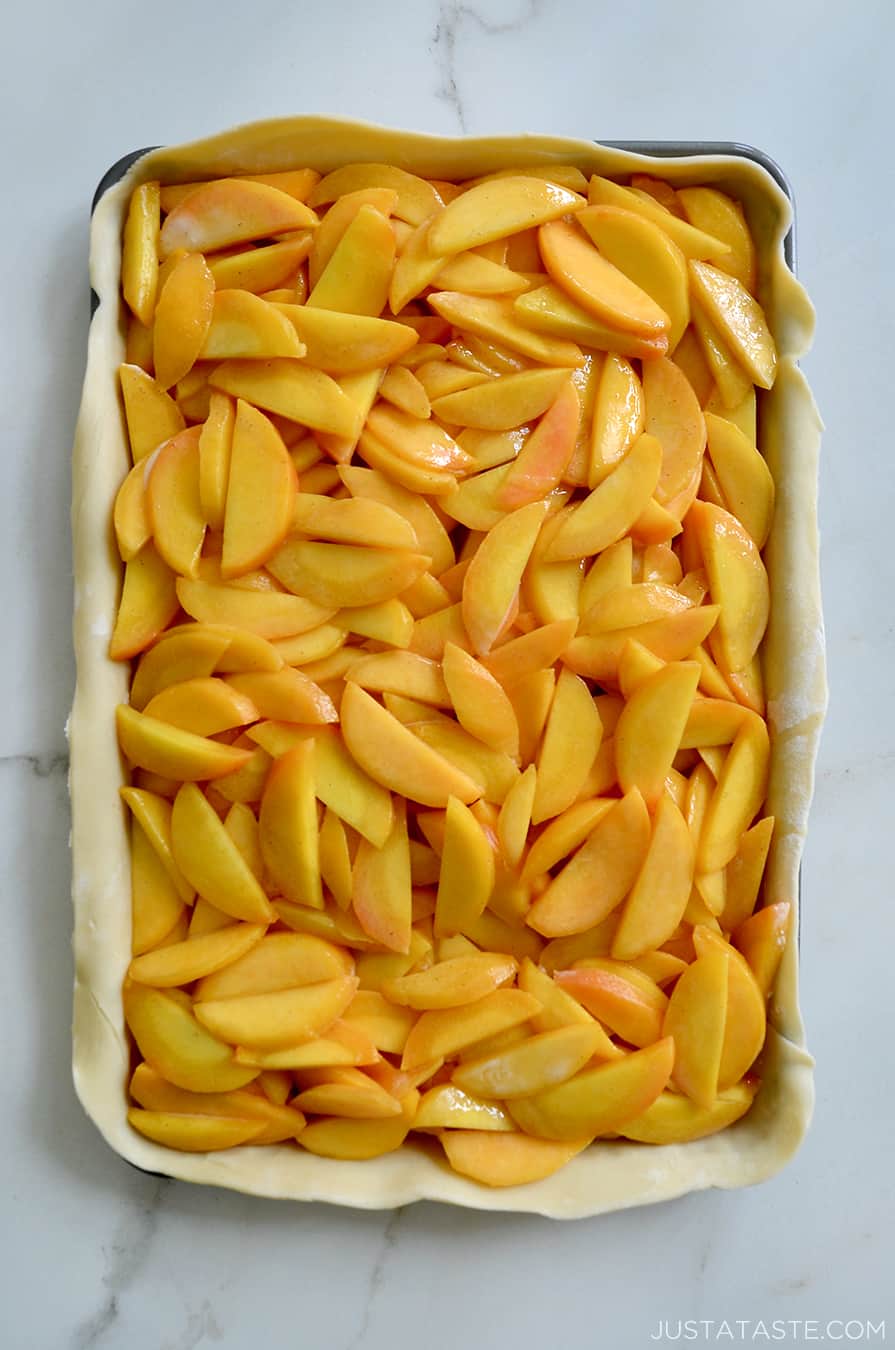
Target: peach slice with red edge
point(658, 898)
point(674, 417)
point(231, 211)
point(172, 502)
point(762, 941)
point(491, 584)
point(540, 464)
point(647, 255)
point(595, 284)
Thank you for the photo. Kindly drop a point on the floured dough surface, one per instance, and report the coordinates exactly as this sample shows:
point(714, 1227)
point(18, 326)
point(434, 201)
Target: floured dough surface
point(608, 1175)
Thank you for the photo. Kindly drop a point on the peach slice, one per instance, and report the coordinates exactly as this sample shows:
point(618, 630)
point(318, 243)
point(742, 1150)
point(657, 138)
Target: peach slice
point(564, 834)
point(360, 388)
point(285, 695)
point(446, 1107)
point(559, 1009)
point(453, 982)
point(211, 862)
point(673, 638)
point(416, 266)
point(384, 1023)
point(537, 1063)
point(571, 740)
point(231, 211)
point(242, 827)
point(744, 873)
point(278, 961)
point(650, 728)
point(717, 214)
point(739, 794)
point(193, 1133)
point(647, 255)
point(335, 859)
point(293, 390)
point(408, 473)
point(674, 417)
point(609, 511)
point(261, 493)
point(344, 344)
point(166, 750)
point(177, 1046)
point(550, 311)
point(744, 477)
point(739, 318)
point(244, 325)
point(738, 581)
point(692, 242)
point(597, 1101)
point(418, 440)
point(732, 384)
point(337, 219)
point(404, 673)
point(599, 875)
point(635, 666)
point(658, 898)
point(744, 1029)
point(551, 590)
point(442, 1033)
point(631, 605)
point(403, 390)
point(382, 896)
point(467, 871)
point(498, 207)
point(356, 278)
point(394, 757)
point(274, 1021)
point(491, 584)
point(183, 962)
point(762, 940)
point(156, 903)
point(172, 502)
point(390, 622)
point(631, 1008)
point(474, 274)
point(697, 1014)
point(153, 815)
point(415, 199)
point(610, 571)
point(595, 284)
point(130, 517)
point(183, 317)
point(288, 827)
point(279, 1122)
point(506, 1159)
point(618, 417)
point(481, 704)
point(356, 1099)
point(532, 652)
point(355, 1140)
point(336, 575)
point(204, 706)
point(215, 447)
point(509, 401)
point(496, 320)
point(540, 464)
point(139, 254)
point(260, 270)
point(152, 415)
point(674, 1119)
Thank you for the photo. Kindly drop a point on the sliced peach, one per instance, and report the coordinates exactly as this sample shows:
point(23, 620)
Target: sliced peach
point(288, 826)
point(564, 834)
point(647, 255)
point(743, 414)
point(496, 320)
point(474, 274)
point(204, 706)
point(610, 571)
point(244, 325)
point(196, 1133)
point(242, 826)
point(211, 862)
point(404, 391)
point(658, 898)
point(552, 590)
point(384, 1023)
point(689, 356)
point(381, 893)
point(415, 199)
point(491, 584)
point(419, 440)
point(739, 794)
point(540, 464)
point(571, 740)
point(153, 815)
point(261, 270)
point(743, 475)
point(536, 1063)
point(717, 214)
point(738, 581)
point(266, 614)
point(674, 417)
point(345, 344)
point(272, 1021)
point(618, 417)
point(599, 875)
point(356, 278)
point(278, 961)
point(739, 318)
point(745, 1026)
point(183, 317)
point(636, 664)
point(416, 266)
point(550, 311)
point(182, 962)
point(531, 695)
point(354, 1140)
point(598, 1101)
point(172, 502)
point(609, 511)
point(509, 401)
point(673, 638)
point(174, 1043)
point(532, 652)
point(357, 1099)
point(697, 1015)
point(744, 873)
point(631, 605)
point(446, 1107)
point(506, 1159)
point(292, 389)
point(467, 871)
point(133, 528)
point(442, 1033)
point(139, 254)
point(595, 284)
point(167, 750)
point(498, 207)
point(732, 384)
point(675, 1119)
point(360, 388)
point(285, 695)
point(215, 446)
point(335, 575)
point(481, 704)
point(152, 415)
point(404, 673)
point(231, 211)
point(316, 645)
point(692, 242)
point(453, 982)
point(432, 538)
point(335, 859)
point(628, 1007)
point(390, 621)
point(337, 219)
point(650, 728)
point(762, 940)
point(156, 903)
point(260, 493)
point(278, 1121)
point(405, 472)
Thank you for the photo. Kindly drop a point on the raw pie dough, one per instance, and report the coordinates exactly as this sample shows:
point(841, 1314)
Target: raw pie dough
point(609, 1175)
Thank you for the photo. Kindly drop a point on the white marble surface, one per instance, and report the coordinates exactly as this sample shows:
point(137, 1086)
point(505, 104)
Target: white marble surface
point(93, 1254)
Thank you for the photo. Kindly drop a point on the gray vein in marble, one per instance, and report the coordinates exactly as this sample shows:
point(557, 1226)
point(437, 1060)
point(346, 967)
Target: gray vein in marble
point(124, 1260)
point(43, 765)
point(199, 1326)
point(377, 1276)
point(451, 17)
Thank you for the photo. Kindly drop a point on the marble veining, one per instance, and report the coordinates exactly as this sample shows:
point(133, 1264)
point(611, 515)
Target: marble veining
point(452, 18)
point(124, 1256)
point(387, 1244)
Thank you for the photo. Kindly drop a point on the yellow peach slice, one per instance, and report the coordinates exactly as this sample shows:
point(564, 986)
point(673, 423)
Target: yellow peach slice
point(166, 750)
point(384, 1023)
point(211, 862)
point(273, 1021)
point(354, 1140)
point(537, 1063)
point(390, 622)
point(194, 1133)
point(481, 704)
point(174, 1043)
point(467, 871)
point(491, 584)
point(743, 475)
point(356, 278)
point(635, 666)
point(732, 384)
point(762, 941)
point(713, 722)
point(292, 389)
point(509, 401)
point(183, 962)
point(130, 518)
point(261, 270)
point(152, 415)
point(696, 1018)
point(230, 211)
point(744, 873)
point(551, 590)
point(600, 1100)
point(498, 207)
point(739, 318)
point(278, 961)
point(336, 575)
point(416, 267)
point(453, 982)
point(673, 638)
point(611, 508)
point(306, 648)
point(415, 199)
point(407, 473)
point(559, 1009)
point(744, 1029)
point(532, 652)
point(674, 417)
point(510, 1159)
point(364, 1100)
point(418, 440)
point(394, 757)
point(244, 325)
point(205, 706)
point(564, 834)
point(288, 826)
point(474, 274)
point(610, 571)
point(286, 696)
point(692, 242)
point(599, 875)
point(595, 284)
point(496, 320)
point(658, 898)
point(674, 1119)
point(172, 502)
point(738, 581)
point(139, 254)
point(345, 344)
point(279, 1122)
point(342, 1046)
point(381, 892)
point(571, 740)
point(739, 794)
point(715, 213)
point(618, 417)
point(493, 772)
point(650, 728)
point(743, 414)
point(404, 391)
point(215, 446)
point(360, 389)
point(337, 219)
point(550, 312)
point(260, 493)
point(266, 614)
point(628, 1009)
point(156, 904)
point(183, 317)
point(647, 255)
point(540, 464)
point(152, 814)
point(353, 521)
point(443, 1032)
point(242, 827)
point(401, 672)
point(446, 1107)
